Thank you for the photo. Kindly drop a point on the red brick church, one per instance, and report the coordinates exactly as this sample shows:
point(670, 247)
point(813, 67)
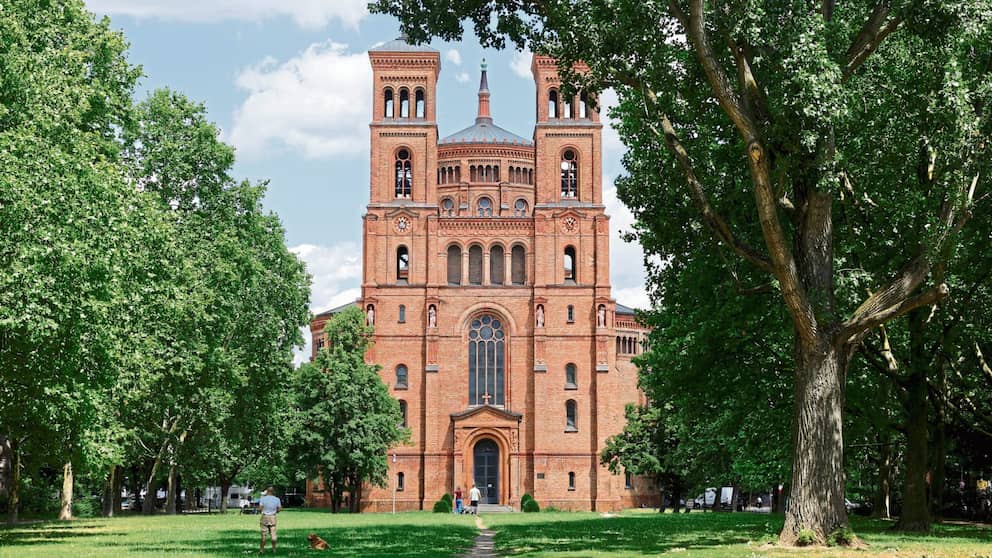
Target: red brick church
point(486, 276)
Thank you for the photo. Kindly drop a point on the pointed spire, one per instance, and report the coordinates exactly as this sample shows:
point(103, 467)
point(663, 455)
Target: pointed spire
point(484, 116)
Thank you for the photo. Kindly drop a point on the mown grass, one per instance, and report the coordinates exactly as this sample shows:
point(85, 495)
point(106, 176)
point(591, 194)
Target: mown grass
point(724, 535)
point(405, 535)
point(420, 534)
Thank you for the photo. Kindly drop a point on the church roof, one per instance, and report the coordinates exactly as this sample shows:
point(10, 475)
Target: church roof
point(399, 44)
point(337, 310)
point(625, 310)
point(484, 131)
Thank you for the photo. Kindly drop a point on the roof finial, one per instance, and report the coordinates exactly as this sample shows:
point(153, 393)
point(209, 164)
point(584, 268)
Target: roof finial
point(483, 115)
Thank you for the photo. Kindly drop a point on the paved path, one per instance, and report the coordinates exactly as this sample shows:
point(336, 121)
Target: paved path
point(484, 544)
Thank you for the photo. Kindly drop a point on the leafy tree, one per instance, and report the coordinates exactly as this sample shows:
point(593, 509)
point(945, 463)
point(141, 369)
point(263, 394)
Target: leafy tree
point(347, 421)
point(645, 448)
point(65, 238)
point(717, 100)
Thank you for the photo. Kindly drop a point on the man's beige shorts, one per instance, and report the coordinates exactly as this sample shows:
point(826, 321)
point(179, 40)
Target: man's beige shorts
point(268, 525)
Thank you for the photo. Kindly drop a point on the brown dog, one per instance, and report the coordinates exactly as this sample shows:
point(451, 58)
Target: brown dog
point(317, 543)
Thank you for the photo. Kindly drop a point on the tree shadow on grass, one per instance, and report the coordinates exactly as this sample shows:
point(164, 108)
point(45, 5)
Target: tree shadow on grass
point(647, 534)
point(40, 533)
point(402, 541)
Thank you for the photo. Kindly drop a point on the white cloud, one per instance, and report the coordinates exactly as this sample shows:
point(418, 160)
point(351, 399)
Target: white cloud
point(462, 77)
point(317, 103)
point(520, 64)
point(626, 258)
point(337, 276)
point(309, 14)
point(454, 57)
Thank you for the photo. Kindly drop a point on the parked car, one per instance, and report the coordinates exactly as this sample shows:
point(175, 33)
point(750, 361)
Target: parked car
point(858, 508)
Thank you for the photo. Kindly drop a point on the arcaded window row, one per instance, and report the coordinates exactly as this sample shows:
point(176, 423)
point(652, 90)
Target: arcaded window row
point(390, 100)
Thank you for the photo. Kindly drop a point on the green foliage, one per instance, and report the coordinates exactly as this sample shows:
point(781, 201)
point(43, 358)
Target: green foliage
point(448, 498)
point(442, 506)
point(806, 537)
point(86, 507)
point(530, 506)
point(842, 537)
point(525, 498)
point(346, 416)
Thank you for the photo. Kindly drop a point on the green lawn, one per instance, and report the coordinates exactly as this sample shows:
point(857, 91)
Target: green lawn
point(639, 534)
point(406, 535)
point(412, 535)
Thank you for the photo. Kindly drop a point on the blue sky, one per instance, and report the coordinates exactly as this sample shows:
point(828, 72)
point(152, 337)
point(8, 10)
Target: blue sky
point(288, 82)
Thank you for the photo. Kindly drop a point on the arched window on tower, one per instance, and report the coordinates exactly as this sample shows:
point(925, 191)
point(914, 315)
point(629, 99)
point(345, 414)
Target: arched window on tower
point(403, 413)
point(583, 105)
point(569, 174)
point(518, 265)
point(497, 263)
point(571, 416)
point(404, 174)
point(404, 103)
point(571, 480)
point(552, 103)
point(400, 480)
point(485, 207)
point(520, 208)
point(402, 317)
point(571, 313)
point(571, 375)
point(570, 274)
point(566, 107)
point(419, 96)
point(402, 375)
point(486, 361)
point(387, 109)
point(402, 264)
point(448, 207)
point(475, 264)
point(454, 265)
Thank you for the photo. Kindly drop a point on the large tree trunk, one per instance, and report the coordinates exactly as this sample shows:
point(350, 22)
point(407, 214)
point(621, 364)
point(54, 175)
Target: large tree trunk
point(939, 444)
point(14, 491)
point(116, 489)
point(107, 502)
point(816, 502)
point(151, 487)
point(173, 489)
point(65, 513)
point(916, 506)
point(916, 500)
point(884, 484)
point(677, 494)
point(225, 488)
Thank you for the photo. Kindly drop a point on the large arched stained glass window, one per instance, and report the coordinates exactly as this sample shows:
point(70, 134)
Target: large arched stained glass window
point(486, 361)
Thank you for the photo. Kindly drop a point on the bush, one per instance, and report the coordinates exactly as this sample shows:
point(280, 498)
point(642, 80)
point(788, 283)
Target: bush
point(86, 507)
point(530, 506)
point(524, 498)
point(448, 498)
point(842, 537)
point(806, 537)
point(551, 509)
point(442, 506)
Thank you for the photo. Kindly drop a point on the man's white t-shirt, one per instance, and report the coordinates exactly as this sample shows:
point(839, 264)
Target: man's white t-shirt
point(269, 504)
point(474, 495)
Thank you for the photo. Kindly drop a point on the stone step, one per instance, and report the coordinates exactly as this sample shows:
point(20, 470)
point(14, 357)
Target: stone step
point(495, 508)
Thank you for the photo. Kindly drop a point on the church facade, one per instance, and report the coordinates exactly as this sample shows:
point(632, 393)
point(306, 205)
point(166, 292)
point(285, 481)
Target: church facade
point(486, 277)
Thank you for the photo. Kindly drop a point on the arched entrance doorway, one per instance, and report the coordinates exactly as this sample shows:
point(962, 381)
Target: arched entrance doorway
point(486, 474)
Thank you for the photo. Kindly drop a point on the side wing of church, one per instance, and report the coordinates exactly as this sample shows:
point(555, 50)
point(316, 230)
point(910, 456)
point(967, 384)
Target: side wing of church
point(486, 276)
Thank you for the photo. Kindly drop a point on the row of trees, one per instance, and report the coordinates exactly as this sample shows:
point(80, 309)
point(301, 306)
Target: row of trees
point(148, 305)
point(825, 158)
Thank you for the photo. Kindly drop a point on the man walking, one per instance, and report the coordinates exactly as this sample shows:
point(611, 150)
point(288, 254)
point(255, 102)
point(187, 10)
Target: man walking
point(473, 498)
point(270, 506)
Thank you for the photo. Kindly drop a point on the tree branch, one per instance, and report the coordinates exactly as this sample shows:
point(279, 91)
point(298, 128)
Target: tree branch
point(782, 262)
point(863, 322)
point(712, 219)
point(872, 33)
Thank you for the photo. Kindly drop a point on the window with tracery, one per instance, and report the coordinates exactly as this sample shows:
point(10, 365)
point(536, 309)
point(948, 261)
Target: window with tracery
point(484, 207)
point(520, 208)
point(448, 207)
point(486, 361)
point(569, 175)
point(404, 174)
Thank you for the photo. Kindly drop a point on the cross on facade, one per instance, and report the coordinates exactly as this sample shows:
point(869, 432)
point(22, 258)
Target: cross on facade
point(485, 398)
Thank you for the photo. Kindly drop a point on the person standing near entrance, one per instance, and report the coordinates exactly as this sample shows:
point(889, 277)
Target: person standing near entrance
point(473, 499)
point(270, 506)
point(458, 500)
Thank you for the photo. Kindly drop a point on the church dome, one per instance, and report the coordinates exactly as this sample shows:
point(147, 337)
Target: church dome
point(484, 131)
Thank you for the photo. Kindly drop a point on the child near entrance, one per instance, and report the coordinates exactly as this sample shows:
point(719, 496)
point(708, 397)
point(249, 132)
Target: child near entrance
point(458, 500)
point(474, 496)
